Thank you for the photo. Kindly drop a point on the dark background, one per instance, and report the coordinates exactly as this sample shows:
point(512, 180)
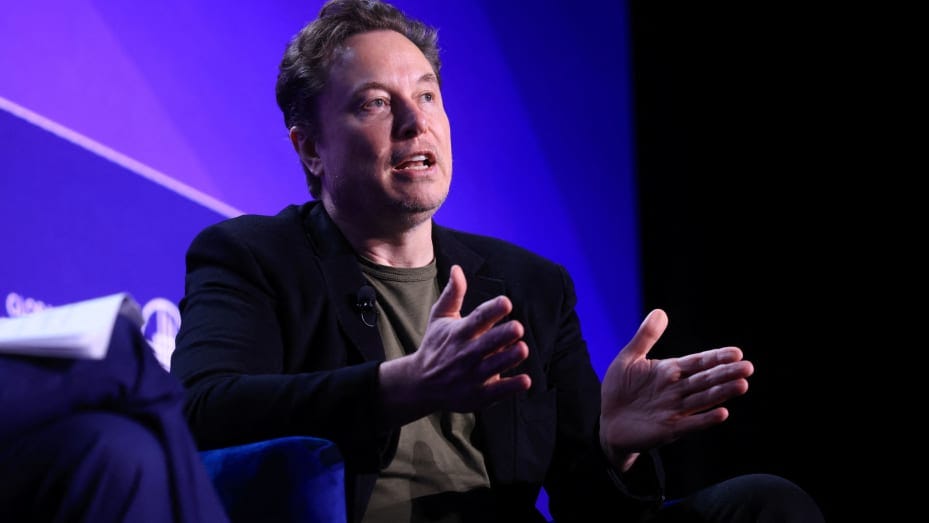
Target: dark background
point(752, 231)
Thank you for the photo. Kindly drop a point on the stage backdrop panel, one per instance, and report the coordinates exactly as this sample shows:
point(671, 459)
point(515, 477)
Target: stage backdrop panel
point(77, 225)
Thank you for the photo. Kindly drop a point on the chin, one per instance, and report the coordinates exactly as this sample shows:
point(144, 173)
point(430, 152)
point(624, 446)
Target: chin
point(420, 203)
point(418, 209)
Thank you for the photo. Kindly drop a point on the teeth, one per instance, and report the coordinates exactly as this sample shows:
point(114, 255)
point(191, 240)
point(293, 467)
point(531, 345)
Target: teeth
point(418, 162)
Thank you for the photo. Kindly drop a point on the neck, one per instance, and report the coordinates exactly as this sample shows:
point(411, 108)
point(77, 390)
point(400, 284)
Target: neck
point(407, 244)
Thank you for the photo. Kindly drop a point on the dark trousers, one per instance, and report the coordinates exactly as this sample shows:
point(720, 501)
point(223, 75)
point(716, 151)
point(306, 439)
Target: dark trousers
point(754, 498)
point(99, 440)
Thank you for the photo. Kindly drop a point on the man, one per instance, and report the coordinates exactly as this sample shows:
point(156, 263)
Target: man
point(448, 367)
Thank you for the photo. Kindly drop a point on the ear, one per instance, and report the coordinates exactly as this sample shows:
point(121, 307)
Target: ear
point(306, 149)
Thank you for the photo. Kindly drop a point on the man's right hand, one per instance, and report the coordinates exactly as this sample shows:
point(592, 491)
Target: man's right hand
point(458, 364)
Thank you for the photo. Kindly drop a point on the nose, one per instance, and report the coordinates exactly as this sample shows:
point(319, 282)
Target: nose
point(410, 122)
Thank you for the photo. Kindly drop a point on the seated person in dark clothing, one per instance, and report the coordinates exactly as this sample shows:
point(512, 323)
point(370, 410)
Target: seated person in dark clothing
point(99, 441)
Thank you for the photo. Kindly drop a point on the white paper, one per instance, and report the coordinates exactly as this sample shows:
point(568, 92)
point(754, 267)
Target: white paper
point(75, 330)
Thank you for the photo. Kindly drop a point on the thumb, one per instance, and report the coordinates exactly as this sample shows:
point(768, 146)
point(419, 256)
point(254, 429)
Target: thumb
point(449, 303)
point(652, 327)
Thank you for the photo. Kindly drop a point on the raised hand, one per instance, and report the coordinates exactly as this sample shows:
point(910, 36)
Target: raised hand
point(649, 402)
point(458, 364)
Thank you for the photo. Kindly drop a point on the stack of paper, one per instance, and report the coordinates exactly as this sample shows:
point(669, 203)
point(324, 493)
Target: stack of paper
point(76, 330)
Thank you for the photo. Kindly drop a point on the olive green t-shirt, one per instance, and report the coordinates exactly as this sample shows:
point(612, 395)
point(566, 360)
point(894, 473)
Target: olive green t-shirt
point(437, 474)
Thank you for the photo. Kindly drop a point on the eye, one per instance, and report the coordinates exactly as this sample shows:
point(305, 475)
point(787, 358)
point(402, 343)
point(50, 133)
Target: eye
point(375, 104)
point(429, 97)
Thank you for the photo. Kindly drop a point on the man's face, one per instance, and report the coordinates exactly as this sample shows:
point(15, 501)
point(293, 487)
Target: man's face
point(383, 144)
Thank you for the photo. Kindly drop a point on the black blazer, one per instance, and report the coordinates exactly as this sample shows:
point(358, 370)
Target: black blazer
point(271, 345)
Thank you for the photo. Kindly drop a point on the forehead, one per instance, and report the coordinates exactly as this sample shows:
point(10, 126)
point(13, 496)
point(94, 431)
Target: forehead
point(378, 56)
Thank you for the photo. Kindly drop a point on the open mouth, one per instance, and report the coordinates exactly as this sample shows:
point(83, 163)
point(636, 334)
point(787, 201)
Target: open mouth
point(416, 162)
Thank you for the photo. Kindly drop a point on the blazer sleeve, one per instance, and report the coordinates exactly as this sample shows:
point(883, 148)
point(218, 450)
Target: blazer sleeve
point(231, 356)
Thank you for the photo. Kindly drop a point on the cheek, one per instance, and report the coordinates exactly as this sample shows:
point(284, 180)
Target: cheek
point(369, 145)
point(447, 127)
point(448, 140)
point(344, 156)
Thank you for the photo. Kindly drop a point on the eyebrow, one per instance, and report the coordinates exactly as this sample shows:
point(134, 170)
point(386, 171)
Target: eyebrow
point(428, 78)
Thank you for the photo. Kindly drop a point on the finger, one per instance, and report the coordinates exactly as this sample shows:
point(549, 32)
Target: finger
point(497, 337)
point(698, 361)
point(449, 303)
point(485, 316)
point(717, 375)
point(715, 395)
point(481, 340)
point(701, 361)
point(648, 333)
point(504, 359)
point(701, 421)
point(498, 388)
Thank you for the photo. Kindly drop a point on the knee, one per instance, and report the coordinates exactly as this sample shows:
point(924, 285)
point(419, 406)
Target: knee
point(121, 453)
point(773, 498)
point(89, 466)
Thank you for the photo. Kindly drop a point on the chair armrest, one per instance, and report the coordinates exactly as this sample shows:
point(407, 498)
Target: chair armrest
point(291, 479)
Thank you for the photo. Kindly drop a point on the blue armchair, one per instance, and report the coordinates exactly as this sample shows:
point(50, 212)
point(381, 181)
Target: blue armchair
point(284, 480)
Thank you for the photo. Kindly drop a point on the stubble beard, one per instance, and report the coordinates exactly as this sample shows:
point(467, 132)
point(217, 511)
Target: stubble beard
point(414, 211)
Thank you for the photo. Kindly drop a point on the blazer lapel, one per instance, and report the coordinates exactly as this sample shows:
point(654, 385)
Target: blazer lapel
point(495, 425)
point(450, 251)
point(339, 266)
